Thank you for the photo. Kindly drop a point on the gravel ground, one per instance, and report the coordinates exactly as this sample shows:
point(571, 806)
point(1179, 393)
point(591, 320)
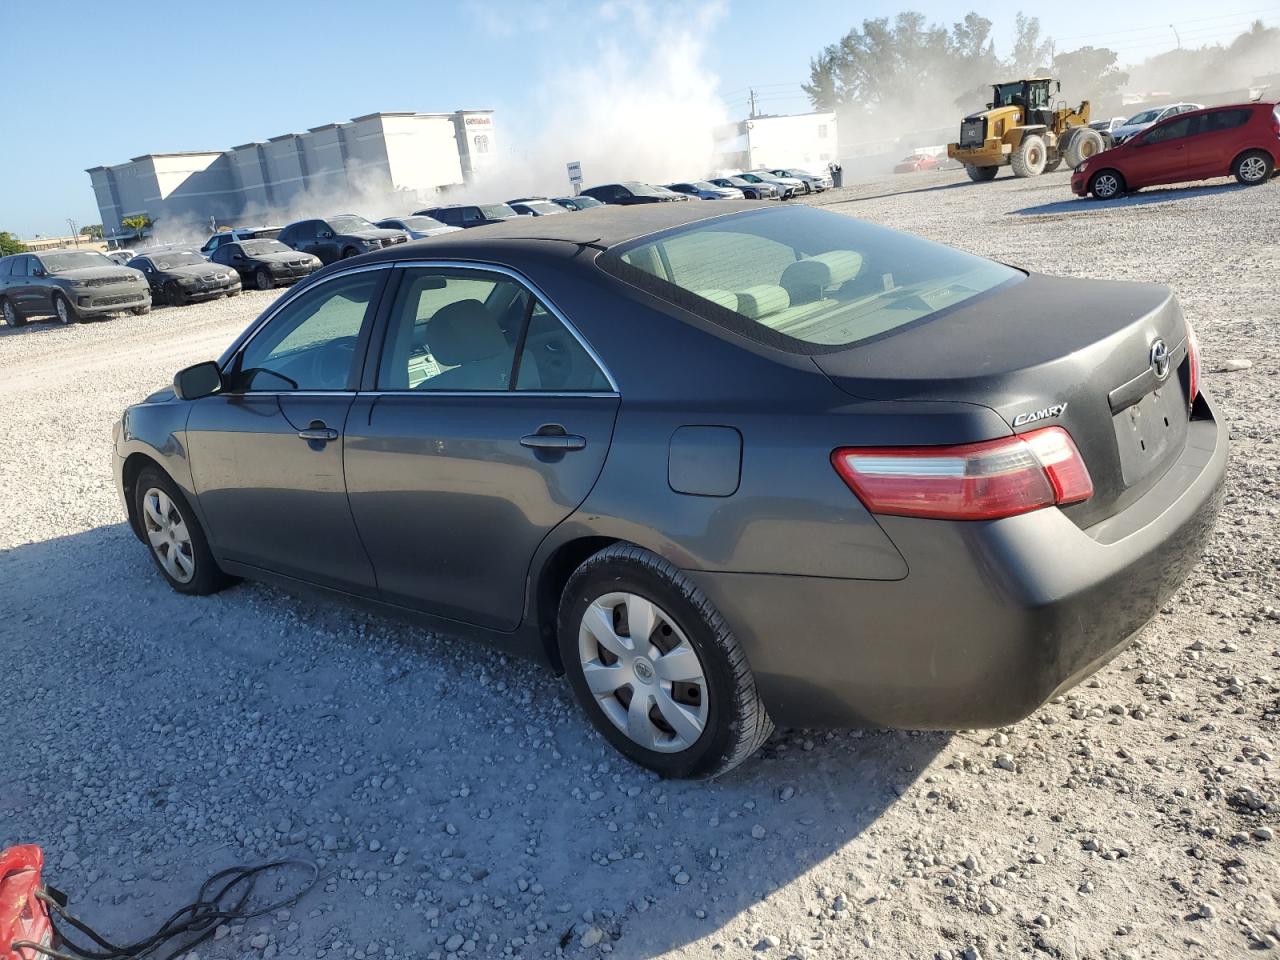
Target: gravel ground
point(460, 804)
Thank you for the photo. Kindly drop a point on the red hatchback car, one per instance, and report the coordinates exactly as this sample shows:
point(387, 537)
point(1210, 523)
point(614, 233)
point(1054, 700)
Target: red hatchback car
point(1241, 140)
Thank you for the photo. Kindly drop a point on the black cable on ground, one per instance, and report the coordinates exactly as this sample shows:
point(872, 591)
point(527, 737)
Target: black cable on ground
point(199, 919)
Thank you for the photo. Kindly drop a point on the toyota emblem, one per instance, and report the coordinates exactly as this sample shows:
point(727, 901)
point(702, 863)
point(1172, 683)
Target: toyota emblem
point(1159, 359)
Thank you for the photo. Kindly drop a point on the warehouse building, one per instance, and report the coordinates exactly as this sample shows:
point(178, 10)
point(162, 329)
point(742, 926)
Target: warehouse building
point(379, 154)
point(808, 141)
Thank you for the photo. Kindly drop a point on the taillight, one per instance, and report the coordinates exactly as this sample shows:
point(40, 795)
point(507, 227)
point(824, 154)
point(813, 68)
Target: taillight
point(1193, 366)
point(972, 481)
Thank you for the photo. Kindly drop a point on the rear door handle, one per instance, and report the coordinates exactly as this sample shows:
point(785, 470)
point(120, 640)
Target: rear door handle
point(553, 441)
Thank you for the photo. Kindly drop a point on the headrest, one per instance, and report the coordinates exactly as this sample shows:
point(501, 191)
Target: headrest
point(463, 332)
point(760, 301)
point(809, 279)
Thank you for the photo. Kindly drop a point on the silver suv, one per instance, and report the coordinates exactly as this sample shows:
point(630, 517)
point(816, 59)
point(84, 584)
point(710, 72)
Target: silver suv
point(70, 285)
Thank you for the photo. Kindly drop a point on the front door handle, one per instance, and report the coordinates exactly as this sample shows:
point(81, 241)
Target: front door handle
point(318, 432)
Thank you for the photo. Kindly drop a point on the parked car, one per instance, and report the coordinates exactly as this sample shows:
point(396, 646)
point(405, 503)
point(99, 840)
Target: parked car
point(536, 208)
point(119, 257)
point(577, 203)
point(468, 215)
point(1109, 127)
point(905, 487)
point(179, 277)
point(1242, 140)
point(703, 190)
point(630, 192)
point(915, 163)
point(71, 285)
point(339, 237)
point(786, 186)
point(239, 233)
point(266, 264)
point(813, 182)
point(1140, 121)
point(417, 227)
point(755, 189)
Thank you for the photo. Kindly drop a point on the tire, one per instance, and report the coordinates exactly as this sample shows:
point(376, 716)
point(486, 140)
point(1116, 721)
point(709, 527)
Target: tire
point(1253, 167)
point(350, 252)
point(175, 295)
point(262, 279)
point(1106, 185)
point(63, 310)
point(981, 174)
point(12, 315)
point(159, 506)
point(717, 717)
point(1030, 156)
point(140, 311)
point(1085, 142)
point(233, 293)
point(1053, 164)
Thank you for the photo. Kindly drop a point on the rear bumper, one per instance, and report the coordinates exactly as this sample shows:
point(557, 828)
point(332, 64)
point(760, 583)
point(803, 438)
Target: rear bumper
point(993, 619)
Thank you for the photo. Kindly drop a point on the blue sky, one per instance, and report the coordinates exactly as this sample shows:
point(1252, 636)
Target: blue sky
point(118, 80)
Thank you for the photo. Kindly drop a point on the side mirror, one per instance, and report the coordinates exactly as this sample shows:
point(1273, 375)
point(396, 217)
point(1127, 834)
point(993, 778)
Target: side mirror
point(326, 234)
point(39, 272)
point(201, 380)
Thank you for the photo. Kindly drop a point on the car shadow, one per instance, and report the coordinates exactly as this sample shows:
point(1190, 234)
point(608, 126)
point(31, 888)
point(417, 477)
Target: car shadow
point(257, 723)
point(1142, 198)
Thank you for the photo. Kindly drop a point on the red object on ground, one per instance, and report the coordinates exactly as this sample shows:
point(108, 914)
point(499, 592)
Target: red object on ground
point(22, 915)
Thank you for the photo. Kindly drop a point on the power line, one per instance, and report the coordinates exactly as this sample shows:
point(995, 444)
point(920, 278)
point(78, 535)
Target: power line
point(1160, 28)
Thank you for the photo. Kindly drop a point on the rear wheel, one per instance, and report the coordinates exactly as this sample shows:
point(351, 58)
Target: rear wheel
point(1053, 164)
point(656, 667)
point(1106, 185)
point(12, 316)
point(262, 279)
point(178, 544)
point(1085, 142)
point(1030, 156)
point(1253, 168)
point(63, 309)
point(981, 174)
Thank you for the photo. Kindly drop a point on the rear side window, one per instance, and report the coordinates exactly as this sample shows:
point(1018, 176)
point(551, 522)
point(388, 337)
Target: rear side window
point(1224, 120)
point(802, 279)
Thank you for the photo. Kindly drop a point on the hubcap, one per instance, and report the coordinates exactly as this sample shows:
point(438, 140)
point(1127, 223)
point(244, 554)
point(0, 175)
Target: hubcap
point(168, 534)
point(1253, 169)
point(1107, 185)
point(643, 672)
point(9, 316)
point(264, 282)
point(63, 313)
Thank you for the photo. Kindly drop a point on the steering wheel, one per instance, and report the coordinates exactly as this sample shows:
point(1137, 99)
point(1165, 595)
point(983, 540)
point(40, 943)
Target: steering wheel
point(332, 364)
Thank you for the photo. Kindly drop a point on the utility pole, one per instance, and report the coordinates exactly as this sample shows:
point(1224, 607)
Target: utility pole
point(1176, 36)
point(75, 232)
point(752, 100)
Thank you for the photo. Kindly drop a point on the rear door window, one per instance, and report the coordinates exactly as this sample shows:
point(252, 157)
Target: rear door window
point(1173, 130)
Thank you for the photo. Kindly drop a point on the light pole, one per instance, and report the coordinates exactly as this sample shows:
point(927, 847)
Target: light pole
point(1176, 36)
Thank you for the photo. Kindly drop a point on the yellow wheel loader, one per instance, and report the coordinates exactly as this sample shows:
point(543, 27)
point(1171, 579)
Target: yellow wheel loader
point(1025, 129)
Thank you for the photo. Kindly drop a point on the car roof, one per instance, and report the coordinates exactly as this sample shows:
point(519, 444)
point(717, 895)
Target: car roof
point(601, 227)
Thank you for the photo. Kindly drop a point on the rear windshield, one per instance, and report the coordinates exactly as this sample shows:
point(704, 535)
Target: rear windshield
point(803, 279)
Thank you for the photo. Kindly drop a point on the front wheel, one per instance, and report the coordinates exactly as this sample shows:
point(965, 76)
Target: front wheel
point(350, 252)
point(63, 310)
point(1029, 158)
point(176, 295)
point(178, 544)
point(1106, 185)
point(1253, 168)
point(140, 311)
point(12, 316)
point(262, 279)
point(656, 667)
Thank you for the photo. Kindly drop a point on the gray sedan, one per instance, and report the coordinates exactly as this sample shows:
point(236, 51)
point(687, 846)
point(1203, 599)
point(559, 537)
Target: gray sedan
point(725, 465)
point(70, 285)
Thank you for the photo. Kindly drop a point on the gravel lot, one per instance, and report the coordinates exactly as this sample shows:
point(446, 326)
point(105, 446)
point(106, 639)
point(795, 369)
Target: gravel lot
point(460, 804)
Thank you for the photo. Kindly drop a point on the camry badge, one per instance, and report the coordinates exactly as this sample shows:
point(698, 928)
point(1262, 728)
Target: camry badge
point(1159, 358)
point(1044, 413)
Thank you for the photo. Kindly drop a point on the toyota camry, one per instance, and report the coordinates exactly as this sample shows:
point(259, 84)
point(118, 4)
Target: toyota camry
point(724, 465)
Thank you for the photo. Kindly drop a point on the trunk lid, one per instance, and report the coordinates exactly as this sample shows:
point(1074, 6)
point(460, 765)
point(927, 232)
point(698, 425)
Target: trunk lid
point(1049, 351)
